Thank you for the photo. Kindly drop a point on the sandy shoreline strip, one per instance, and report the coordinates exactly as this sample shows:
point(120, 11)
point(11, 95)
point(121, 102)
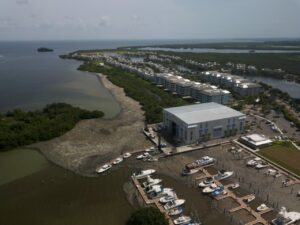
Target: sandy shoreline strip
point(93, 142)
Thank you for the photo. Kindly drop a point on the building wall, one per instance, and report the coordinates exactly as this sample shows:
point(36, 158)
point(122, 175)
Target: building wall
point(193, 133)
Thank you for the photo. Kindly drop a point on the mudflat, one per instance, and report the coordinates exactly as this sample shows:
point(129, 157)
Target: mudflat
point(93, 142)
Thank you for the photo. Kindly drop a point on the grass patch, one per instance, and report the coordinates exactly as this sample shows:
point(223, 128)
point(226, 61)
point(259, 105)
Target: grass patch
point(284, 154)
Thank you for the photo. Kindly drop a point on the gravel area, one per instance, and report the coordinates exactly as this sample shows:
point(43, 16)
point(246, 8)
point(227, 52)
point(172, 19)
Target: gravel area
point(96, 141)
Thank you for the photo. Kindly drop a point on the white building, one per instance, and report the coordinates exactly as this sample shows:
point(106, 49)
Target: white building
point(200, 122)
point(255, 141)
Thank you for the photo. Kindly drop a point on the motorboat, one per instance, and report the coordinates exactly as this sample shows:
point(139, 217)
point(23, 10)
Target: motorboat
point(143, 173)
point(117, 160)
point(205, 183)
point(151, 149)
point(253, 162)
point(286, 218)
point(235, 185)
point(223, 174)
point(103, 168)
point(210, 188)
point(159, 191)
point(154, 188)
point(219, 190)
point(261, 165)
point(126, 155)
point(271, 172)
point(142, 156)
point(174, 203)
point(168, 198)
point(262, 207)
point(298, 194)
point(175, 211)
point(182, 220)
point(204, 161)
point(150, 182)
point(250, 198)
point(187, 172)
point(150, 159)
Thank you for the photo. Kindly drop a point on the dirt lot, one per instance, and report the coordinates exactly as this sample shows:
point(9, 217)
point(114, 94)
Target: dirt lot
point(93, 142)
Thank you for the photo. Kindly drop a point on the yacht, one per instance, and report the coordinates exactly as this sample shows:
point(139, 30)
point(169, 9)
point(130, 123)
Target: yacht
point(154, 188)
point(223, 174)
point(261, 165)
point(182, 220)
point(187, 172)
point(210, 188)
point(218, 191)
point(150, 182)
point(126, 155)
point(262, 207)
point(175, 211)
point(285, 218)
point(144, 155)
point(250, 199)
point(253, 162)
point(103, 168)
point(168, 198)
point(143, 173)
point(151, 149)
point(174, 203)
point(117, 160)
point(235, 185)
point(204, 161)
point(205, 183)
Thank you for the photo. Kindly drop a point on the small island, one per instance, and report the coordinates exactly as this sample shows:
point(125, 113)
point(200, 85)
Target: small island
point(43, 49)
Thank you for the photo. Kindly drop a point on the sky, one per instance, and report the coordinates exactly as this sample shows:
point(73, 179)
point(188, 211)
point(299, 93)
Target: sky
point(148, 19)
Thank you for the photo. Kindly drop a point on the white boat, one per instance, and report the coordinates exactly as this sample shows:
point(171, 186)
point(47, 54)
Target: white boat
point(150, 159)
point(205, 183)
point(204, 161)
point(271, 172)
point(250, 199)
point(210, 188)
point(103, 168)
point(168, 198)
point(223, 174)
point(286, 218)
point(151, 149)
point(117, 160)
point(126, 155)
point(182, 220)
point(235, 185)
point(150, 182)
point(143, 173)
point(253, 162)
point(174, 203)
point(187, 172)
point(175, 211)
point(261, 165)
point(142, 156)
point(154, 188)
point(262, 207)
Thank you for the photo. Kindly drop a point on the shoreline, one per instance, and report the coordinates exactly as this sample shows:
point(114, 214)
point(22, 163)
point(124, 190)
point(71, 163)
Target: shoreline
point(92, 142)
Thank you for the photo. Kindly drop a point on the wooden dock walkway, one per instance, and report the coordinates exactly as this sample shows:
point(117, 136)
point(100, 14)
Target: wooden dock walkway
point(240, 200)
point(151, 201)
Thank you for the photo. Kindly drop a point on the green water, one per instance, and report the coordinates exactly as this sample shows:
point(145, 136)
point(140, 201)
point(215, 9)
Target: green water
point(19, 163)
point(54, 196)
